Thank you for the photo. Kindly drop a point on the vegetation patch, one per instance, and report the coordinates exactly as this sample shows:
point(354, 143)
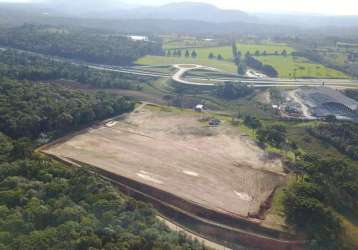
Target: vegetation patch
point(29, 109)
point(101, 47)
point(298, 67)
point(344, 136)
point(32, 67)
point(46, 205)
point(226, 51)
point(165, 60)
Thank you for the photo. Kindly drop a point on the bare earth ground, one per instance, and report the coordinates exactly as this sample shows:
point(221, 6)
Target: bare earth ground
point(175, 152)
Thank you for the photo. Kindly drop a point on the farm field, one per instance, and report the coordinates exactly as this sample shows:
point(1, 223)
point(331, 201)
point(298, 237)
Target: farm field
point(298, 67)
point(215, 167)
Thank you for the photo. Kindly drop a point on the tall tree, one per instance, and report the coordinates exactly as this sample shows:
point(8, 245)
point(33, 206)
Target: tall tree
point(284, 52)
point(238, 58)
point(234, 50)
point(241, 68)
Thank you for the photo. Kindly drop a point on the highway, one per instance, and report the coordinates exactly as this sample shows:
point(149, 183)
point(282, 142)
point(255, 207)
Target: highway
point(182, 69)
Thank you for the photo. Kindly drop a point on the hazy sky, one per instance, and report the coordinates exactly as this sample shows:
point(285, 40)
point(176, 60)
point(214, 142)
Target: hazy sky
point(338, 7)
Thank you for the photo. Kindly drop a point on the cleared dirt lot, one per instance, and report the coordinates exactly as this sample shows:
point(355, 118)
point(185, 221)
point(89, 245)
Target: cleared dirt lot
point(175, 152)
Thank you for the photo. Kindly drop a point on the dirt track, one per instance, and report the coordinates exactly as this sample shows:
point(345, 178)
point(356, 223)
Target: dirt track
point(177, 153)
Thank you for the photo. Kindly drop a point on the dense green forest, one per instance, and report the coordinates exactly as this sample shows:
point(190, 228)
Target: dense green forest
point(28, 109)
point(81, 44)
point(46, 205)
point(322, 191)
point(343, 136)
point(323, 187)
point(27, 66)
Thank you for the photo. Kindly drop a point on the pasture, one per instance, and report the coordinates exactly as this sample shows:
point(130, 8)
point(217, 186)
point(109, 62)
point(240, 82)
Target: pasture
point(226, 64)
point(299, 67)
point(227, 54)
point(287, 66)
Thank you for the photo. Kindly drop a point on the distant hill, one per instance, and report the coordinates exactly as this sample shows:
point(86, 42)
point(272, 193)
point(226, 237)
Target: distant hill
point(174, 11)
point(308, 20)
point(112, 9)
point(183, 17)
point(190, 11)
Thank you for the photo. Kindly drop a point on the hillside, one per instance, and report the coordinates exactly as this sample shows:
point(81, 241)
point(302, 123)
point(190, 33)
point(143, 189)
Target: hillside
point(190, 11)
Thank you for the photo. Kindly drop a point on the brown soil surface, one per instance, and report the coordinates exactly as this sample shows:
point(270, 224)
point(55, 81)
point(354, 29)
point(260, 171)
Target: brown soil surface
point(175, 152)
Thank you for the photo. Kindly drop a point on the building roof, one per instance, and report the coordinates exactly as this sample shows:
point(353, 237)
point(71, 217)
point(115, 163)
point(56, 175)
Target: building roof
point(319, 96)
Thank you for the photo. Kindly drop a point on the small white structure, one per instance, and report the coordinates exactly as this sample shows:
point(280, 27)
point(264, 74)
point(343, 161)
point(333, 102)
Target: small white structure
point(199, 108)
point(138, 38)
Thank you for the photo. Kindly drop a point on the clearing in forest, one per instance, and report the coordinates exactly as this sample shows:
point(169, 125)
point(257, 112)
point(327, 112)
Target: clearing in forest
point(177, 152)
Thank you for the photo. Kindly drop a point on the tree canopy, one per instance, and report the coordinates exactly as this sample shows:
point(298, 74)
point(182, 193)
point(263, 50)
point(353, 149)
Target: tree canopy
point(28, 109)
point(81, 44)
point(256, 64)
point(343, 136)
point(26, 66)
point(232, 91)
point(46, 205)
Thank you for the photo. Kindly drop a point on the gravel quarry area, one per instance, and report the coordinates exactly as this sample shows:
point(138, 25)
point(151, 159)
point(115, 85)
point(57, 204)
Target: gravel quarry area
point(173, 151)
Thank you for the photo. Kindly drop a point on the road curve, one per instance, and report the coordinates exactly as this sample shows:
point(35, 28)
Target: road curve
point(182, 69)
point(258, 82)
point(195, 81)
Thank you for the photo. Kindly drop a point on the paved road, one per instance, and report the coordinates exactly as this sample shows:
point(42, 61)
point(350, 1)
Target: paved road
point(179, 76)
point(184, 68)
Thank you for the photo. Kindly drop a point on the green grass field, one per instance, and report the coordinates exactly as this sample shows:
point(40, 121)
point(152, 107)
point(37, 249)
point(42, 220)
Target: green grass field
point(298, 67)
point(203, 54)
point(226, 51)
point(187, 42)
point(164, 60)
point(287, 67)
